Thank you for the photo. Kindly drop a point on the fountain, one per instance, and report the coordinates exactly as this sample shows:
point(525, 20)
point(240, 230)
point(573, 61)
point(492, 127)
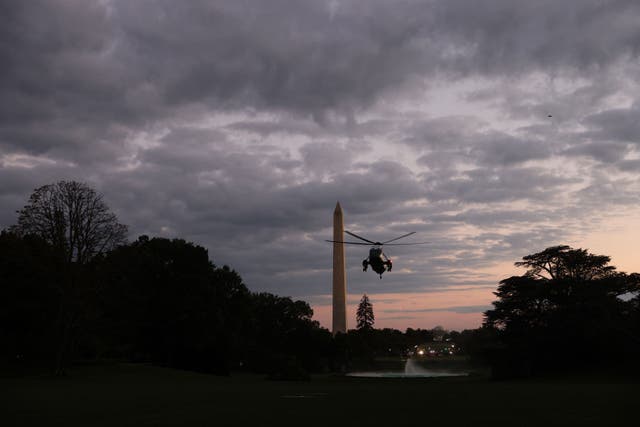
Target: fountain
point(411, 370)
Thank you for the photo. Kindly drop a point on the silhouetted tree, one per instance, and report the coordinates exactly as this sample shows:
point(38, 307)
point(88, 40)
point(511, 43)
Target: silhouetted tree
point(364, 316)
point(418, 336)
point(477, 343)
point(72, 218)
point(566, 309)
point(391, 342)
point(29, 288)
point(165, 302)
point(634, 316)
point(284, 340)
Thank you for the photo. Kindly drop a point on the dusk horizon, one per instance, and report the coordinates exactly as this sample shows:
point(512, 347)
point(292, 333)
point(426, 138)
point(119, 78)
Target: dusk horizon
point(493, 130)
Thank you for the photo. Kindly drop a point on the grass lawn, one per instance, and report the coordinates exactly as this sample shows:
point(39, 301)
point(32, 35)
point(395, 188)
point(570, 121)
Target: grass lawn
point(139, 395)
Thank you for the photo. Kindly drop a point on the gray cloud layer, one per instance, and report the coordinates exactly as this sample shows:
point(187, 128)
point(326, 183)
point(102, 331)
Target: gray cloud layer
point(490, 128)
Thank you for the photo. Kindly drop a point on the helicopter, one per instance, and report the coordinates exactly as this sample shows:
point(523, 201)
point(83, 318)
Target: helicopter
point(378, 261)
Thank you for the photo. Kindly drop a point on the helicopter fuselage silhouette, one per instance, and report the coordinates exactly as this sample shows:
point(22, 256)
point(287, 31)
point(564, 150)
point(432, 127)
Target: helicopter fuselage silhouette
point(377, 260)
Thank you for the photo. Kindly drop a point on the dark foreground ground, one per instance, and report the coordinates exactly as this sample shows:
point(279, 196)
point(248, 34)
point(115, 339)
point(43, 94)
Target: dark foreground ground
point(137, 395)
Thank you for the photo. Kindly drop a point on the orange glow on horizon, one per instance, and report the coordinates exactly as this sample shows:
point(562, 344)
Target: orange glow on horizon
point(429, 309)
point(418, 310)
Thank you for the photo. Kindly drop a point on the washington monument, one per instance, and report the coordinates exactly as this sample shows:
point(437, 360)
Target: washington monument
point(339, 275)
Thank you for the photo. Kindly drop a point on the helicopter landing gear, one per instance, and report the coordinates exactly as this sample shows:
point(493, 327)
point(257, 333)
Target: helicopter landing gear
point(365, 265)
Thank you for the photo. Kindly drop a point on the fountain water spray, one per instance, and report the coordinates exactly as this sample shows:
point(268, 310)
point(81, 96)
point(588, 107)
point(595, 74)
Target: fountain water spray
point(411, 370)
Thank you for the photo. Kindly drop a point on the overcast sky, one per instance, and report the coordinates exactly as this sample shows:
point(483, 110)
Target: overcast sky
point(493, 129)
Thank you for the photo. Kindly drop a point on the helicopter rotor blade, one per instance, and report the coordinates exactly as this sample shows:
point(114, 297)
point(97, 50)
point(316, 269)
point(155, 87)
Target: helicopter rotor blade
point(360, 237)
point(398, 238)
point(348, 243)
point(407, 244)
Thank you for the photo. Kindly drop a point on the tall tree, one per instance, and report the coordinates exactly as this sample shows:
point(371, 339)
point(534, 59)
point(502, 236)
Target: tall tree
point(165, 302)
point(76, 222)
point(73, 218)
point(364, 316)
point(568, 307)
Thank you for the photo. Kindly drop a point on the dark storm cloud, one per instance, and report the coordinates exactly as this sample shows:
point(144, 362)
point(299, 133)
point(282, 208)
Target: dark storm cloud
point(564, 95)
point(60, 88)
point(190, 172)
point(487, 217)
point(322, 158)
point(454, 140)
point(630, 165)
point(333, 125)
point(242, 53)
point(490, 149)
point(443, 132)
point(297, 55)
point(496, 185)
point(281, 126)
point(504, 36)
point(501, 149)
point(238, 124)
point(621, 192)
point(124, 62)
point(606, 152)
point(621, 124)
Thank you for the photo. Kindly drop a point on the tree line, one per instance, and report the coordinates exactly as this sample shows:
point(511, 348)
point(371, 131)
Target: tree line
point(74, 289)
point(154, 300)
